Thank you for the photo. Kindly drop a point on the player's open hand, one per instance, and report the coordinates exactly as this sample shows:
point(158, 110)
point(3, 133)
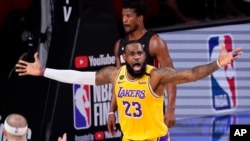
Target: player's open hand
point(170, 118)
point(26, 68)
point(226, 57)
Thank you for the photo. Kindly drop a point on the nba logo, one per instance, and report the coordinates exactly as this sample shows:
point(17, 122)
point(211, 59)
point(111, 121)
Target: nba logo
point(222, 81)
point(82, 108)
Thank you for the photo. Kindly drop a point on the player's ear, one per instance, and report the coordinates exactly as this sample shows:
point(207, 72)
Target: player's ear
point(124, 56)
point(140, 18)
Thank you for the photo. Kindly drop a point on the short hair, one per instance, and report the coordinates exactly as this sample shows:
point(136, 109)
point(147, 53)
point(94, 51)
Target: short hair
point(131, 42)
point(140, 7)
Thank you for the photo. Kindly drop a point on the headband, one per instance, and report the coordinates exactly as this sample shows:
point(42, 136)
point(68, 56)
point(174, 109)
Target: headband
point(18, 131)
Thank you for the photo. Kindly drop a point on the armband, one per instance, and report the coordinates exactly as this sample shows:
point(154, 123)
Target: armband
point(111, 113)
point(218, 63)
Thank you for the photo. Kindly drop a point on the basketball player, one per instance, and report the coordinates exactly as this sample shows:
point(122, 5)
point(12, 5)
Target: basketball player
point(134, 13)
point(138, 87)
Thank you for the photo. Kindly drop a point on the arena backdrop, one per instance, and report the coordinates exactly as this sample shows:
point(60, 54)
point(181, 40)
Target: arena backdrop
point(224, 91)
point(83, 34)
point(205, 109)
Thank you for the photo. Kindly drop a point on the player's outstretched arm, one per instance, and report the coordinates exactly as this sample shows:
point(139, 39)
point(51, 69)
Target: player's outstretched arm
point(103, 76)
point(111, 123)
point(196, 73)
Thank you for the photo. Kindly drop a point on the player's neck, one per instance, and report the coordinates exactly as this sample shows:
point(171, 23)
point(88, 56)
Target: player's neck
point(130, 77)
point(137, 34)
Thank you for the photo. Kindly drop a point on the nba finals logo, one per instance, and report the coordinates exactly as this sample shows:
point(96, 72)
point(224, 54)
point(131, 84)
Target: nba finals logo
point(82, 108)
point(222, 81)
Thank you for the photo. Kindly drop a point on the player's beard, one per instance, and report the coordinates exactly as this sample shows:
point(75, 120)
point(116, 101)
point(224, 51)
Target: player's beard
point(132, 29)
point(136, 74)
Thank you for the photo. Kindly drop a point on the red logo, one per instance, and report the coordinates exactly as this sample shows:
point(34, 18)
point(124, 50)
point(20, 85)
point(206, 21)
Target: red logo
point(81, 62)
point(99, 135)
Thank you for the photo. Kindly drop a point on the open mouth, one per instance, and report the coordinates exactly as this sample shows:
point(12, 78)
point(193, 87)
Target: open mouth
point(126, 26)
point(137, 67)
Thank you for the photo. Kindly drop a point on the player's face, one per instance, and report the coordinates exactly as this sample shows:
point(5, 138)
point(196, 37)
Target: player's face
point(130, 20)
point(135, 59)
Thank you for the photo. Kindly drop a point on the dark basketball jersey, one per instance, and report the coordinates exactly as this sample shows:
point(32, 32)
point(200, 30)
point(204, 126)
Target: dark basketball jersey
point(144, 40)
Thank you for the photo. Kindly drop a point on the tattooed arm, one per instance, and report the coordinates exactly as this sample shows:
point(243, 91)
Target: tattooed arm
point(168, 75)
point(189, 75)
point(106, 75)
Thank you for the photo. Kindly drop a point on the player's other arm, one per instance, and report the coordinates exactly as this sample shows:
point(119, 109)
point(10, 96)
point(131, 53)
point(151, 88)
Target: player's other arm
point(113, 104)
point(103, 76)
point(116, 53)
point(159, 49)
point(111, 123)
point(168, 75)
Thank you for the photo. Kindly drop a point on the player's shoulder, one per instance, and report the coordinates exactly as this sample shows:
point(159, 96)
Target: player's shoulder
point(111, 71)
point(150, 67)
point(124, 38)
point(156, 40)
point(154, 36)
point(118, 42)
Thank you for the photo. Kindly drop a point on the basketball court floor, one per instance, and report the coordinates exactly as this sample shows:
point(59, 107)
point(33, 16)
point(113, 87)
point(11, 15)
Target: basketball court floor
point(208, 128)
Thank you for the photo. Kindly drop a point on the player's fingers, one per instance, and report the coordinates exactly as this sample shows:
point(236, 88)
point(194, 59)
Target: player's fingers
point(64, 136)
point(21, 74)
point(113, 124)
point(109, 127)
point(20, 70)
point(20, 66)
point(238, 49)
point(59, 139)
point(237, 53)
point(166, 122)
point(36, 56)
point(22, 62)
point(171, 124)
point(113, 129)
point(223, 47)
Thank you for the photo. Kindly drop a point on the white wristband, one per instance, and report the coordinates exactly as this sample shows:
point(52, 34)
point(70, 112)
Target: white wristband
point(111, 113)
point(218, 63)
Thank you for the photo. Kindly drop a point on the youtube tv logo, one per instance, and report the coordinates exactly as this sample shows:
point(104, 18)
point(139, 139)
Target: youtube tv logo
point(81, 62)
